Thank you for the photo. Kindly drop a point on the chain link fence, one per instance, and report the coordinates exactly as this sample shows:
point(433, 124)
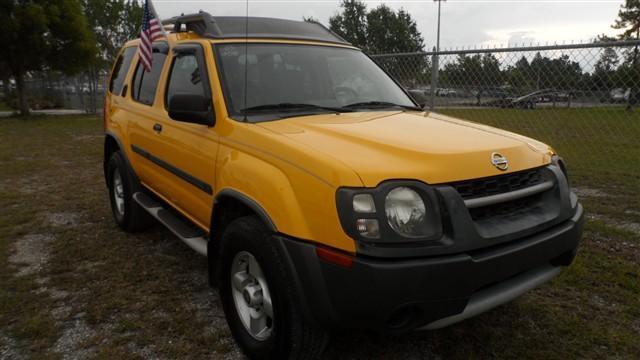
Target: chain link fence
point(580, 98)
point(583, 99)
point(51, 90)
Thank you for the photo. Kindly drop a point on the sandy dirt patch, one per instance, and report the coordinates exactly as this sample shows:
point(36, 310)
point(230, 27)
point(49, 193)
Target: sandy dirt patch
point(31, 253)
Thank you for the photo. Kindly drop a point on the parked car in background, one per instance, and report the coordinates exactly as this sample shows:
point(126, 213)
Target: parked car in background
point(530, 100)
point(446, 92)
point(619, 95)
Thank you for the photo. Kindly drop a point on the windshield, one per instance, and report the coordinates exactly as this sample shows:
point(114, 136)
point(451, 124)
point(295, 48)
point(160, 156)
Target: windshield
point(283, 79)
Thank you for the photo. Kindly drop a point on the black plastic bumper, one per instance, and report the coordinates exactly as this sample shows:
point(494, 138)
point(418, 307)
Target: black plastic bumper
point(401, 295)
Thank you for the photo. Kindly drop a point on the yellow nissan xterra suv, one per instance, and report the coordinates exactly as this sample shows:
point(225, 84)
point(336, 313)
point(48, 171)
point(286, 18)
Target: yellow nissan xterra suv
point(322, 195)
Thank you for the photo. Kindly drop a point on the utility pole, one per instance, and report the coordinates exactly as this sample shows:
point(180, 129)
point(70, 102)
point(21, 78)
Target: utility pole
point(435, 67)
point(439, 9)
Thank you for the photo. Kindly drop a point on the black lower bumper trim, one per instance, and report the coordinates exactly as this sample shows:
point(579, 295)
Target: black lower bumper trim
point(401, 295)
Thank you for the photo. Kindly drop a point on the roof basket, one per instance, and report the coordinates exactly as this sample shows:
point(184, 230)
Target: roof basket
point(230, 27)
point(202, 23)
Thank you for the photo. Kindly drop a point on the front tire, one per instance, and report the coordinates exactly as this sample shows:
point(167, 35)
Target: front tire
point(130, 216)
point(258, 296)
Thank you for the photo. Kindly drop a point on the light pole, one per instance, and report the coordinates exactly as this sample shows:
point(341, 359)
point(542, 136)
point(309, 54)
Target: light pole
point(434, 62)
point(438, 38)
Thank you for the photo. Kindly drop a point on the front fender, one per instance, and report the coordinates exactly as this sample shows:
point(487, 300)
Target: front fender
point(299, 204)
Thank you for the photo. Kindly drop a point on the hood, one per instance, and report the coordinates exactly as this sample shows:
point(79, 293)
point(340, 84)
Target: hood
point(429, 147)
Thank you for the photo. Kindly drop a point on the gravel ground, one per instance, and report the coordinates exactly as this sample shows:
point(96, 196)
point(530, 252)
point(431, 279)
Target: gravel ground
point(31, 253)
point(74, 286)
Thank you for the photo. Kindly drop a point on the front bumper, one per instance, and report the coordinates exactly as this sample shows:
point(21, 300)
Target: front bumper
point(402, 295)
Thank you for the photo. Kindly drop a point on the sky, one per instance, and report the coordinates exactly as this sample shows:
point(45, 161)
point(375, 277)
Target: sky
point(465, 23)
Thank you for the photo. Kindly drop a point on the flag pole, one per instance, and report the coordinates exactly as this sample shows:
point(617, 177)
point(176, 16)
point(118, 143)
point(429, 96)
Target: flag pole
point(155, 15)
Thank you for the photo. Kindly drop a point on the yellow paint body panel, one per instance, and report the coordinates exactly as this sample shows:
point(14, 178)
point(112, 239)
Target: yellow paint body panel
point(293, 167)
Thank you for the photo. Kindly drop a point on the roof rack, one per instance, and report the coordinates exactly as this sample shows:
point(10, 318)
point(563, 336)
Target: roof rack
point(202, 23)
point(229, 27)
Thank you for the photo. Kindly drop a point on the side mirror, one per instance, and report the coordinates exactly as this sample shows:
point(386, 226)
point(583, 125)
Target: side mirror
point(191, 108)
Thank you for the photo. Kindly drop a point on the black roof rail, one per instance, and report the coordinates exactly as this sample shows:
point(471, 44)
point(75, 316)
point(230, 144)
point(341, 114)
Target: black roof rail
point(202, 23)
point(230, 27)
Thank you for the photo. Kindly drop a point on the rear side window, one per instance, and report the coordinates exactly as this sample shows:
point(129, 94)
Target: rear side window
point(120, 70)
point(185, 77)
point(145, 83)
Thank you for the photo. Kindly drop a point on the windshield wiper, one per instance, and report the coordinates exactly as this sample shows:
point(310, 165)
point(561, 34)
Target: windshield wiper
point(380, 104)
point(293, 106)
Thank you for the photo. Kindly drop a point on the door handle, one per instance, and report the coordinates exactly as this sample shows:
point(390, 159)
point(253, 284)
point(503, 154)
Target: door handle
point(157, 128)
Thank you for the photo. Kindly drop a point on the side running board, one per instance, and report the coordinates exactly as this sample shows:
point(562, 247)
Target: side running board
point(188, 233)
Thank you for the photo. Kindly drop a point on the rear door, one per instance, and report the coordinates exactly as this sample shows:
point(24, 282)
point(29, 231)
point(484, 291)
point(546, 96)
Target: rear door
point(182, 155)
point(117, 91)
point(145, 109)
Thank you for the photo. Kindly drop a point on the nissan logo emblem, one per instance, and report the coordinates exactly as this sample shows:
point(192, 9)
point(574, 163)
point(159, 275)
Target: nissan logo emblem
point(499, 161)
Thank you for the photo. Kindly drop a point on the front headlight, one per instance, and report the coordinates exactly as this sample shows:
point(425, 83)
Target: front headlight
point(395, 214)
point(406, 212)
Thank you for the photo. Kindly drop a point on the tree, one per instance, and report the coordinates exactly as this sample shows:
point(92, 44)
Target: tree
point(558, 73)
point(477, 71)
point(351, 24)
point(43, 35)
point(380, 30)
point(388, 32)
point(629, 22)
point(492, 75)
point(518, 76)
point(112, 22)
point(605, 71)
point(383, 30)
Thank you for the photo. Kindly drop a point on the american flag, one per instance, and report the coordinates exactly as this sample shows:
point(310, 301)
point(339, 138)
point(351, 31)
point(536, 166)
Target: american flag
point(151, 31)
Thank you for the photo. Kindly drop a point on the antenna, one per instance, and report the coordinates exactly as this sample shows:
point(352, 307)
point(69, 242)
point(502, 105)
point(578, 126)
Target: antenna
point(246, 59)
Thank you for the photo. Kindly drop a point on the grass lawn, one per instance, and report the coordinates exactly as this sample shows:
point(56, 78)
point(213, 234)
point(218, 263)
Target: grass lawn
point(600, 145)
point(4, 107)
point(73, 285)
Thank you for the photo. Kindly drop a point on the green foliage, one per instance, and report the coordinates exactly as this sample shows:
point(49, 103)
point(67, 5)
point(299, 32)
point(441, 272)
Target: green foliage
point(43, 35)
point(51, 34)
point(477, 71)
point(482, 72)
point(113, 22)
point(629, 20)
point(606, 72)
point(378, 31)
point(351, 24)
point(384, 31)
point(390, 32)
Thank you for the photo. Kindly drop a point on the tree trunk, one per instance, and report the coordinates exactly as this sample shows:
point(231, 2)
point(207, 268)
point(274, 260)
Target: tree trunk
point(6, 88)
point(94, 89)
point(23, 104)
point(633, 92)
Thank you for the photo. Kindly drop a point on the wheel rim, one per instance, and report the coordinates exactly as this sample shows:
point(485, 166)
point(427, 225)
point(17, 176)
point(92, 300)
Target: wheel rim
point(251, 296)
point(118, 192)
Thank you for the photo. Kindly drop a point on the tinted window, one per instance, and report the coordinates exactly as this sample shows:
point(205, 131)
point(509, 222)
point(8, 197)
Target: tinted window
point(317, 75)
point(185, 77)
point(120, 70)
point(145, 83)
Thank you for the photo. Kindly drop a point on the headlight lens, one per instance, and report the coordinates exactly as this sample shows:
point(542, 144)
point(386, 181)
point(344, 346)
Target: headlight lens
point(406, 212)
point(363, 203)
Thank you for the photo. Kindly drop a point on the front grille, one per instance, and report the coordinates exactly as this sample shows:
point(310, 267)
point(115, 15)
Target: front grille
point(505, 209)
point(477, 188)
